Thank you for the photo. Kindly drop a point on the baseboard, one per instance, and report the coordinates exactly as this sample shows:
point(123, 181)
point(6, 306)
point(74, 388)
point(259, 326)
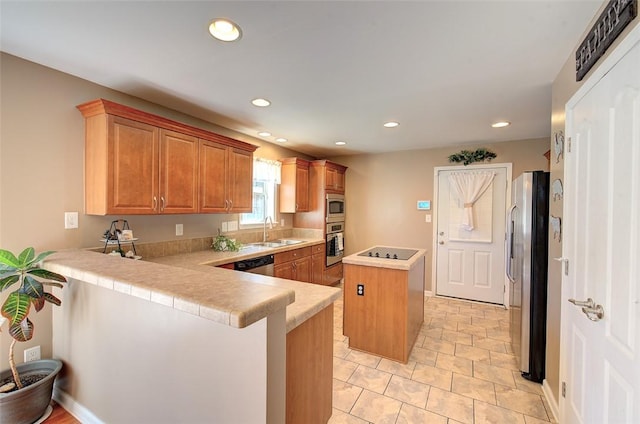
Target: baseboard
point(428, 293)
point(551, 401)
point(81, 413)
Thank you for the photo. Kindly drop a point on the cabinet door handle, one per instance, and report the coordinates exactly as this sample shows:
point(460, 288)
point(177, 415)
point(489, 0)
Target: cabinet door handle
point(230, 204)
point(226, 204)
point(161, 203)
point(155, 202)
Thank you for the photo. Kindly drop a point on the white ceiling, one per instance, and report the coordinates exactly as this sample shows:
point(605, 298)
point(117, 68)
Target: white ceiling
point(333, 70)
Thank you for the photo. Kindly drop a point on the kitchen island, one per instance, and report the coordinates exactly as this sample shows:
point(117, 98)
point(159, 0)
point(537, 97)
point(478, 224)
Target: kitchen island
point(384, 300)
point(150, 342)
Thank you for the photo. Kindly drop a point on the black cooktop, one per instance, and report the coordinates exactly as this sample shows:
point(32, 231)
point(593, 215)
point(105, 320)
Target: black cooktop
point(389, 253)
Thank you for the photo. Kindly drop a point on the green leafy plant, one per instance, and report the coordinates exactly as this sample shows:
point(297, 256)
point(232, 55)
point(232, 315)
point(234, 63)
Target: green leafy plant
point(24, 270)
point(223, 243)
point(467, 156)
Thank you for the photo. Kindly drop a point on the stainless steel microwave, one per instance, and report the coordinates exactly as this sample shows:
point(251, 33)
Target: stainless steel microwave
point(335, 207)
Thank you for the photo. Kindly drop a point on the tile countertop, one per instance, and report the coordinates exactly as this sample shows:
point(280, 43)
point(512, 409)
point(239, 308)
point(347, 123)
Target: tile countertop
point(309, 298)
point(211, 258)
point(384, 262)
point(189, 283)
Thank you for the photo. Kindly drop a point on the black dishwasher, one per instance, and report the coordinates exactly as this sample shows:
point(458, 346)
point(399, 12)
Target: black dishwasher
point(260, 265)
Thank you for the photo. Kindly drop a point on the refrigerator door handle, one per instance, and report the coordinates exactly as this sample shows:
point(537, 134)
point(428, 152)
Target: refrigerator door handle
point(510, 245)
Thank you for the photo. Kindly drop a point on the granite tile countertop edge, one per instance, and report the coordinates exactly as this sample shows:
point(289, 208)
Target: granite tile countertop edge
point(309, 298)
point(237, 299)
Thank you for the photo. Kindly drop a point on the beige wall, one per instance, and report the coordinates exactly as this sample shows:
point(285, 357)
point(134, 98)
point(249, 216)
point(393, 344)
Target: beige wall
point(382, 191)
point(41, 171)
point(564, 87)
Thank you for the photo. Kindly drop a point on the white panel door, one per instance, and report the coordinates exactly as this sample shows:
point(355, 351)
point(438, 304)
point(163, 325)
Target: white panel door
point(600, 358)
point(470, 264)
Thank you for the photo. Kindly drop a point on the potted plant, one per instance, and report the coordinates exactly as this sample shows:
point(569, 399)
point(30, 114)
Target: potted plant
point(26, 390)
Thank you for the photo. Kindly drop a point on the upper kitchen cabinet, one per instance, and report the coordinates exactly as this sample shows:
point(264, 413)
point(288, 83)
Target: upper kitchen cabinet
point(294, 186)
point(178, 188)
point(139, 163)
point(334, 176)
point(226, 178)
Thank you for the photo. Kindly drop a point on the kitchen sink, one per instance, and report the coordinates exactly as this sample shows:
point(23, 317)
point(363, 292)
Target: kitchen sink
point(274, 243)
point(266, 244)
point(287, 242)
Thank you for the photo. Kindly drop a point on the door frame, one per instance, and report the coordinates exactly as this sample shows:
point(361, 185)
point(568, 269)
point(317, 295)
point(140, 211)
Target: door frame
point(619, 51)
point(434, 258)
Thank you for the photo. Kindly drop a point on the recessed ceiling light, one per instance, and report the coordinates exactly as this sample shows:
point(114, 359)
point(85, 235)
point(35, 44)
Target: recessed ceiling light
point(340, 143)
point(264, 134)
point(390, 124)
point(260, 102)
point(500, 124)
point(224, 30)
point(281, 140)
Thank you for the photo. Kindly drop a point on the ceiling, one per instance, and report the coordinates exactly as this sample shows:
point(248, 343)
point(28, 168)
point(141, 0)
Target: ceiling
point(333, 70)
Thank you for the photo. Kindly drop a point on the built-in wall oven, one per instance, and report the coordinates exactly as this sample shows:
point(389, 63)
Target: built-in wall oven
point(335, 242)
point(335, 208)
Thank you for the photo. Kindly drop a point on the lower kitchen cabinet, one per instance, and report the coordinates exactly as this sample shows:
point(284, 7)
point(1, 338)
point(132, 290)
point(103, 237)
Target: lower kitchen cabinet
point(317, 263)
point(293, 265)
point(310, 370)
point(332, 274)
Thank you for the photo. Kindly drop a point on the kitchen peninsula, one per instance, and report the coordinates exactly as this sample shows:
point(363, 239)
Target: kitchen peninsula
point(187, 342)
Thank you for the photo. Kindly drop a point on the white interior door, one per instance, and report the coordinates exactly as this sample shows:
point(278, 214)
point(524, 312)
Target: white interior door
point(470, 264)
point(600, 358)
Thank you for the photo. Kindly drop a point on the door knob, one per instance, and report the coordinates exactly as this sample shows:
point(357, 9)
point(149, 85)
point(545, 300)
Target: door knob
point(441, 242)
point(587, 304)
point(441, 233)
point(594, 314)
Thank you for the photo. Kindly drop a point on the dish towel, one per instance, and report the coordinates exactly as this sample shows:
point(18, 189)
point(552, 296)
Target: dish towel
point(340, 238)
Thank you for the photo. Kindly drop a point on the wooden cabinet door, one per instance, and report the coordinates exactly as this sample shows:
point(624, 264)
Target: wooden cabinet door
point(302, 188)
point(240, 180)
point(330, 175)
point(284, 270)
point(294, 188)
point(302, 269)
point(339, 181)
point(334, 179)
point(317, 268)
point(213, 177)
point(178, 173)
point(132, 174)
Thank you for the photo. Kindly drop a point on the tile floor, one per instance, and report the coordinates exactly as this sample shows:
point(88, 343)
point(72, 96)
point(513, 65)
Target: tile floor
point(461, 370)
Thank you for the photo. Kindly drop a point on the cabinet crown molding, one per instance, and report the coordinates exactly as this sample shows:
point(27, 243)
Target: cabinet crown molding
point(102, 106)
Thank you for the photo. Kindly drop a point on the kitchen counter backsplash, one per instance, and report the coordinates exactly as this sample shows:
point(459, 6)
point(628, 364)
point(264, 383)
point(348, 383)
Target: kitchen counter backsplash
point(177, 247)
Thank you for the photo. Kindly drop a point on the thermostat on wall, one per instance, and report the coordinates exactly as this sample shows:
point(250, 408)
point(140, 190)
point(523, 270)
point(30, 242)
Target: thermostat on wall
point(424, 205)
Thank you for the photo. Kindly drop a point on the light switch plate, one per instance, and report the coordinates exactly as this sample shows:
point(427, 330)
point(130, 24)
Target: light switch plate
point(427, 218)
point(225, 227)
point(179, 229)
point(70, 220)
point(232, 225)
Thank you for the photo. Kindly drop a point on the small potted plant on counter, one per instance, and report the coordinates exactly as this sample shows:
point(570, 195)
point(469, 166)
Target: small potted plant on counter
point(26, 389)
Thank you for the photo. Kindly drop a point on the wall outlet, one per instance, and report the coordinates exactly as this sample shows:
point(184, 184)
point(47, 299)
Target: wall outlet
point(360, 290)
point(179, 229)
point(70, 220)
point(282, 222)
point(32, 354)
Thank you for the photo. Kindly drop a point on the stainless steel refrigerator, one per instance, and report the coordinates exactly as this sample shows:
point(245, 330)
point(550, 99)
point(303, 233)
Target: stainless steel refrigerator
point(527, 250)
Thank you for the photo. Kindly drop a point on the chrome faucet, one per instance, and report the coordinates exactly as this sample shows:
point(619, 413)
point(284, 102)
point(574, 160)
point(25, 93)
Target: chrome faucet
point(264, 230)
